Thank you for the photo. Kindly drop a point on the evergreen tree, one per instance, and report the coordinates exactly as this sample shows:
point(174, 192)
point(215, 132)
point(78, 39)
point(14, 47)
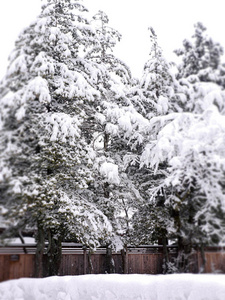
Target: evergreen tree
point(115, 192)
point(157, 91)
point(201, 57)
point(190, 143)
point(175, 207)
point(46, 157)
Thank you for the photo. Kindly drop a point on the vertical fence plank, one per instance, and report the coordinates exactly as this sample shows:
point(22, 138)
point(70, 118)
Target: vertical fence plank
point(2, 268)
point(215, 262)
point(81, 264)
point(119, 265)
point(72, 264)
point(85, 260)
point(6, 267)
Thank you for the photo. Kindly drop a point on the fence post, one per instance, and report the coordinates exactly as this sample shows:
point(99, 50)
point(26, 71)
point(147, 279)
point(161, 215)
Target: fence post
point(85, 259)
point(124, 253)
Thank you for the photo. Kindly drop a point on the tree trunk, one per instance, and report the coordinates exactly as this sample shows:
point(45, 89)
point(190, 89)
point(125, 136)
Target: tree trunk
point(90, 265)
point(54, 254)
point(165, 254)
point(184, 254)
point(163, 241)
point(202, 270)
point(39, 252)
point(22, 240)
point(110, 265)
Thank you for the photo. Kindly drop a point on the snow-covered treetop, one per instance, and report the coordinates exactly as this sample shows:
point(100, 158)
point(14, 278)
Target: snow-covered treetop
point(201, 56)
point(102, 53)
point(157, 91)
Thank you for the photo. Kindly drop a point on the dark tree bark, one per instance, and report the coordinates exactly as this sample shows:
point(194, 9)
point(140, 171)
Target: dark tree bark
point(110, 266)
point(54, 254)
point(39, 252)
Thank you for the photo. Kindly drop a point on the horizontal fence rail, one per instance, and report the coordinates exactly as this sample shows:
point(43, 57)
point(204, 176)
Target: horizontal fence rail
point(73, 248)
point(18, 260)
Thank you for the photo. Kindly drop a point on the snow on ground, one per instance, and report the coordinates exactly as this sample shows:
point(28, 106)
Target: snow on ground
point(116, 287)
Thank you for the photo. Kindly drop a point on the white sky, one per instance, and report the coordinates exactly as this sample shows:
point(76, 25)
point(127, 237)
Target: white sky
point(172, 20)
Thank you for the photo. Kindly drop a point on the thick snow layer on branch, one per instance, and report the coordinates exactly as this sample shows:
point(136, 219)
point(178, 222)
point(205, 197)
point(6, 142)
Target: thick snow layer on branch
point(192, 146)
point(84, 218)
point(43, 64)
point(38, 87)
point(5, 172)
point(117, 287)
point(185, 133)
point(18, 65)
point(110, 171)
point(64, 127)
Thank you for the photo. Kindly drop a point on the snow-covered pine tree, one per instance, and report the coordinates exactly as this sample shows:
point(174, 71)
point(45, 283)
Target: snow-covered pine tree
point(46, 158)
point(157, 91)
point(186, 196)
point(190, 144)
point(201, 69)
point(201, 57)
point(115, 191)
point(197, 75)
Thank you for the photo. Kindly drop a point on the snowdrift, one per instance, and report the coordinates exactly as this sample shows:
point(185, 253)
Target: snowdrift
point(116, 287)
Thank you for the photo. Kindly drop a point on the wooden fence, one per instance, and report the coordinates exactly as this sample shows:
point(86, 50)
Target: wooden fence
point(77, 261)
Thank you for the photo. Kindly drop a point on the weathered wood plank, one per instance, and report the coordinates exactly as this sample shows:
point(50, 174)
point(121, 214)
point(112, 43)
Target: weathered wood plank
point(215, 262)
point(5, 269)
point(1, 268)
